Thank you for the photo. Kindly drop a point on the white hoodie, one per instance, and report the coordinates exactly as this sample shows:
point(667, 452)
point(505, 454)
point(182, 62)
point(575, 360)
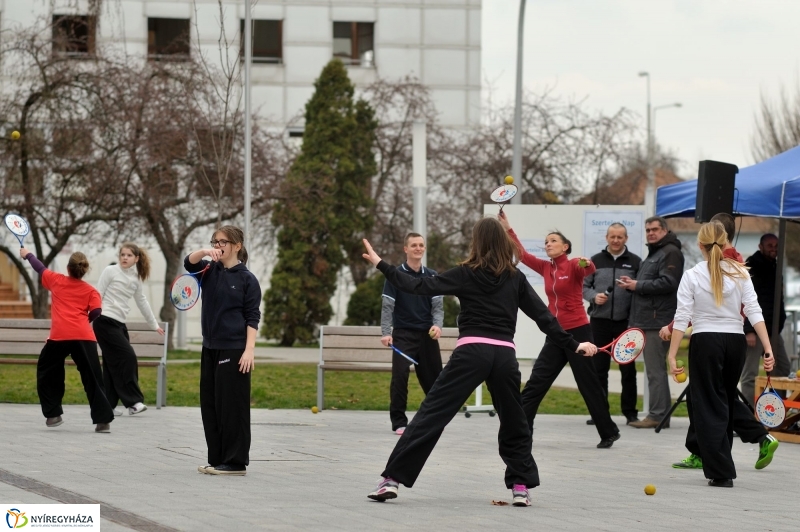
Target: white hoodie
point(696, 302)
point(116, 286)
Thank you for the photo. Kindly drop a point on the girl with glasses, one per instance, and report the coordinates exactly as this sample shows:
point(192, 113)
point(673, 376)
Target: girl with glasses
point(229, 319)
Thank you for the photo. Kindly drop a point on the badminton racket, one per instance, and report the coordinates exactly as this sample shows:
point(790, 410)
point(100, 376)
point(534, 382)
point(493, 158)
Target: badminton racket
point(503, 194)
point(770, 409)
point(18, 226)
point(403, 354)
point(185, 290)
point(626, 347)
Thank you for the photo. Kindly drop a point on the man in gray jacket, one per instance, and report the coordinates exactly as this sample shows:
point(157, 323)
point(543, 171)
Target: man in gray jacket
point(609, 310)
point(653, 306)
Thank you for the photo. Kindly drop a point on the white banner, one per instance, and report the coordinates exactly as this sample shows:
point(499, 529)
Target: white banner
point(596, 224)
point(52, 516)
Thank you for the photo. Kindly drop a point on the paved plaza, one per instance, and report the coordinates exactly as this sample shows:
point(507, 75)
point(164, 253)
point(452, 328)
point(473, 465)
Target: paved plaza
point(313, 472)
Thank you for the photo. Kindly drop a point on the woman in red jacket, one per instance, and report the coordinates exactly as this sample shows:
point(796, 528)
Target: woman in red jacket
point(563, 284)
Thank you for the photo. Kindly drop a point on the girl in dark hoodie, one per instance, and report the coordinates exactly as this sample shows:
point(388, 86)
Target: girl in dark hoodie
point(231, 300)
point(490, 290)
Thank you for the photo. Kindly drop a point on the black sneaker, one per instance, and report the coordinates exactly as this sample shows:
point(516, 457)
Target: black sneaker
point(102, 427)
point(590, 421)
point(721, 483)
point(53, 421)
point(605, 443)
point(228, 469)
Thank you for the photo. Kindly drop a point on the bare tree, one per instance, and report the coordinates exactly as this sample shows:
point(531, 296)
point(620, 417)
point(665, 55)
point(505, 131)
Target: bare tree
point(61, 174)
point(778, 130)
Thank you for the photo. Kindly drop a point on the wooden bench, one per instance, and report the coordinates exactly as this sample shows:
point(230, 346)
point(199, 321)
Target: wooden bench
point(782, 432)
point(25, 338)
point(360, 349)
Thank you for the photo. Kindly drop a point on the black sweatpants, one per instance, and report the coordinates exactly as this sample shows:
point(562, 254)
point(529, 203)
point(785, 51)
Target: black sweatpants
point(469, 366)
point(50, 375)
point(418, 345)
point(604, 331)
point(120, 366)
point(745, 424)
point(715, 364)
point(549, 364)
point(225, 406)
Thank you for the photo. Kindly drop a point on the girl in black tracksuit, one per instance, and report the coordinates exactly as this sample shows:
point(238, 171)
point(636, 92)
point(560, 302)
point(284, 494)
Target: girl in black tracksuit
point(231, 300)
point(490, 290)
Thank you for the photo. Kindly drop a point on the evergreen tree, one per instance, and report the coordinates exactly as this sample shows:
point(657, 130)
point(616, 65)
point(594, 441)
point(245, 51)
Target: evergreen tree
point(324, 211)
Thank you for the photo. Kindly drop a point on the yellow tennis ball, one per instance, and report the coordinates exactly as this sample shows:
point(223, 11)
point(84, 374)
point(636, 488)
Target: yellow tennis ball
point(15, 134)
point(432, 333)
point(798, 373)
point(314, 410)
point(509, 180)
point(650, 489)
point(681, 377)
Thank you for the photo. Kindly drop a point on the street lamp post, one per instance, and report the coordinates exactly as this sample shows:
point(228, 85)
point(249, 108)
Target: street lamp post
point(650, 188)
point(516, 158)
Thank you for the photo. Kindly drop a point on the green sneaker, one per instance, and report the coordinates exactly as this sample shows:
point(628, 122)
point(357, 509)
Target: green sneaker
point(691, 462)
point(766, 451)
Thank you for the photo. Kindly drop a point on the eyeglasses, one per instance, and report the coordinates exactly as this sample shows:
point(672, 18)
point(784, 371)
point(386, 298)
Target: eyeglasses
point(222, 243)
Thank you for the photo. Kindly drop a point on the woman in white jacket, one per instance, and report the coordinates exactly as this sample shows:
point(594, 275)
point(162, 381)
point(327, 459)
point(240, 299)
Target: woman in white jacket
point(712, 296)
point(118, 283)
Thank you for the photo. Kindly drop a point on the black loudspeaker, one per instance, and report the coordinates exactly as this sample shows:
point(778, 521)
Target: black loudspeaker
point(715, 184)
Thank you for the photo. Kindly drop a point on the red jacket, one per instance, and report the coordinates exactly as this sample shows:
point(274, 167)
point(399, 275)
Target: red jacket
point(563, 284)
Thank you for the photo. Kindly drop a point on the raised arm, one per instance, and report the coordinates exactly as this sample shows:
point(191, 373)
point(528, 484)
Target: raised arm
point(447, 283)
point(35, 263)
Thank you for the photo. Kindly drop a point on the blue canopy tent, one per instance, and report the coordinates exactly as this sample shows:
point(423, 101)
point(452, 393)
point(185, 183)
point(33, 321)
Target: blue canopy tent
point(769, 189)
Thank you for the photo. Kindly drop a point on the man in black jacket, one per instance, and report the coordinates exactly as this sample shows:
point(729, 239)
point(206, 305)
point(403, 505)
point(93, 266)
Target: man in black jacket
point(763, 266)
point(653, 306)
point(609, 310)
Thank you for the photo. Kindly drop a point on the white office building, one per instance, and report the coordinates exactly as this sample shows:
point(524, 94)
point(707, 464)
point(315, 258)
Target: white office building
point(436, 41)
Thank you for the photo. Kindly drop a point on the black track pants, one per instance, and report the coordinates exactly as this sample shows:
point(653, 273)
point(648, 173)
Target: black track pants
point(120, 366)
point(418, 345)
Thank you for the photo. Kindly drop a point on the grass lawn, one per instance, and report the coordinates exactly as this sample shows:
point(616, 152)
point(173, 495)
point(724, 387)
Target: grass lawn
point(281, 386)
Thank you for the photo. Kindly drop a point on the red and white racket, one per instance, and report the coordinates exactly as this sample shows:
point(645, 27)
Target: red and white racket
point(18, 226)
point(770, 409)
point(626, 347)
point(503, 194)
point(185, 289)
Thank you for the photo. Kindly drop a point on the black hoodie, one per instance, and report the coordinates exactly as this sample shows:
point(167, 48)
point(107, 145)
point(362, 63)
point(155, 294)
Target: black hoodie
point(231, 303)
point(488, 303)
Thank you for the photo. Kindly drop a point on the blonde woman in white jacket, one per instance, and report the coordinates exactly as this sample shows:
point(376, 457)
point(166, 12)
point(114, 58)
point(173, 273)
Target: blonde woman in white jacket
point(118, 284)
point(712, 296)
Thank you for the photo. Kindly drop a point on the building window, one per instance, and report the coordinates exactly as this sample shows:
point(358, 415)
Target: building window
point(267, 41)
point(168, 39)
point(74, 35)
point(354, 43)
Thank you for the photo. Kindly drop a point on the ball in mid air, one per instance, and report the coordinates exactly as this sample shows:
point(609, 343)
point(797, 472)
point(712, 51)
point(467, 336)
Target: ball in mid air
point(509, 180)
point(15, 134)
point(650, 489)
point(314, 410)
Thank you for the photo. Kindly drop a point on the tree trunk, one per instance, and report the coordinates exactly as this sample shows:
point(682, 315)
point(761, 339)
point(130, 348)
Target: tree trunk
point(40, 301)
point(168, 311)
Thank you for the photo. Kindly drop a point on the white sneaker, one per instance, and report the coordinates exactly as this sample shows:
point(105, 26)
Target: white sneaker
point(138, 408)
point(117, 412)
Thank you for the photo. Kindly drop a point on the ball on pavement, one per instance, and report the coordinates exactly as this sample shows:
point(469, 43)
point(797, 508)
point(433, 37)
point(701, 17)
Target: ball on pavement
point(650, 489)
point(15, 134)
point(509, 180)
point(314, 410)
point(681, 377)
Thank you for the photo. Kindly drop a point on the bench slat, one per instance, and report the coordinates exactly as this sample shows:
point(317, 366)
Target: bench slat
point(68, 361)
point(366, 355)
point(373, 342)
point(347, 330)
point(40, 335)
point(45, 324)
point(34, 348)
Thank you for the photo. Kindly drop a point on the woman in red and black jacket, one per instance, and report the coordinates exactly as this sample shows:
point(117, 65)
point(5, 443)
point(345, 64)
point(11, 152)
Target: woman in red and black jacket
point(563, 284)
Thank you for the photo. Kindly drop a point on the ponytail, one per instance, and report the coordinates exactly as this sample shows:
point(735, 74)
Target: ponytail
point(143, 264)
point(714, 238)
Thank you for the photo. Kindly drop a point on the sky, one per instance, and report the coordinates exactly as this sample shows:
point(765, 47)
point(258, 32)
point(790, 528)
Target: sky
point(714, 57)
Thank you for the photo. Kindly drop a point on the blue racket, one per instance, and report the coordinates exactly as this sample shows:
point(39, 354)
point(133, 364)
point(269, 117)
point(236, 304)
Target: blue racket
point(403, 355)
point(185, 289)
point(19, 226)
